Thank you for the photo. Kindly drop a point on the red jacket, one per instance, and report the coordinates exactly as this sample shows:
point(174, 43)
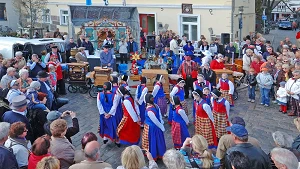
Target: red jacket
point(216, 65)
point(256, 66)
point(298, 35)
point(33, 160)
point(59, 72)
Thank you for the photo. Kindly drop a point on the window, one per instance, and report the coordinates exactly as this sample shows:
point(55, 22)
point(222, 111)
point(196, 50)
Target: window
point(190, 26)
point(3, 16)
point(64, 17)
point(46, 16)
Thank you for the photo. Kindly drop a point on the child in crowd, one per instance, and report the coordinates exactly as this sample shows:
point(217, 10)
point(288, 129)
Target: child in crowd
point(265, 81)
point(207, 95)
point(32, 96)
point(251, 81)
point(52, 76)
point(159, 94)
point(281, 97)
point(226, 88)
point(124, 82)
point(43, 53)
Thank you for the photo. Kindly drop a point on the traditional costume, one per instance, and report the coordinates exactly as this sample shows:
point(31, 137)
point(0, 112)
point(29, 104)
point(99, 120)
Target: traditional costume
point(227, 89)
point(153, 139)
point(179, 125)
point(140, 93)
point(117, 104)
point(204, 121)
point(159, 95)
point(221, 109)
point(201, 84)
point(108, 125)
point(177, 91)
point(129, 129)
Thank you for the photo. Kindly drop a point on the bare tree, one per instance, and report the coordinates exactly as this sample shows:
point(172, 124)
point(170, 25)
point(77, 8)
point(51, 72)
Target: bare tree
point(29, 9)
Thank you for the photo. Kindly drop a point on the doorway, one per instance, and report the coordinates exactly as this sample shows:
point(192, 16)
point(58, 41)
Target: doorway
point(190, 26)
point(147, 23)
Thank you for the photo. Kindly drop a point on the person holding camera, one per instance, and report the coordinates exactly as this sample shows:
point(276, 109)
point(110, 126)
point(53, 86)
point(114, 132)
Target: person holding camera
point(35, 65)
point(123, 51)
point(54, 115)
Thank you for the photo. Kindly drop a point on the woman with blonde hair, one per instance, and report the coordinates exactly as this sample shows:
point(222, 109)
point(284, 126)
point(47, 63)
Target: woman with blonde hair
point(247, 59)
point(200, 157)
point(48, 163)
point(133, 158)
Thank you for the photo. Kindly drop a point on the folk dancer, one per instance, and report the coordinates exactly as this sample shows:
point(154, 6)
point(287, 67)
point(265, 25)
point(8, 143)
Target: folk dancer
point(221, 109)
point(226, 87)
point(180, 124)
point(124, 82)
point(140, 93)
point(129, 129)
point(159, 94)
point(200, 83)
point(204, 123)
point(178, 90)
point(117, 104)
point(207, 95)
point(107, 124)
point(153, 139)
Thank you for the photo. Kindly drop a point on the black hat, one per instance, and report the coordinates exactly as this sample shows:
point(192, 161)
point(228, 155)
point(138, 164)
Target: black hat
point(189, 41)
point(107, 86)
point(122, 90)
point(54, 46)
point(143, 80)
point(159, 77)
point(216, 92)
point(124, 78)
point(130, 38)
point(149, 98)
point(106, 46)
point(180, 80)
point(176, 100)
point(198, 92)
point(167, 46)
point(42, 74)
point(114, 79)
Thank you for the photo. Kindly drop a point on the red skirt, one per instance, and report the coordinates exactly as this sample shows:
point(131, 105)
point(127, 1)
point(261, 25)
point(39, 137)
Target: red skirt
point(128, 131)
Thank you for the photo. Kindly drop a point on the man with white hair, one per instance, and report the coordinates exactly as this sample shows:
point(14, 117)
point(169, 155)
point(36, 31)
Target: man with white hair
point(10, 75)
point(20, 59)
point(284, 159)
point(218, 63)
point(7, 158)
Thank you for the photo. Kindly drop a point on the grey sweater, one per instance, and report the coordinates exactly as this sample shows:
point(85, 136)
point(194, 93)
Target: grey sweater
point(264, 80)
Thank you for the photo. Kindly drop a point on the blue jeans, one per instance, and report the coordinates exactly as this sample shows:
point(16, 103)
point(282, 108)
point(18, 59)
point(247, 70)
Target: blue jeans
point(151, 51)
point(39, 106)
point(50, 99)
point(264, 94)
point(251, 92)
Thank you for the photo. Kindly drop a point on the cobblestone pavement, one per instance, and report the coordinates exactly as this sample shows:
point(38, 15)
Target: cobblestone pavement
point(260, 121)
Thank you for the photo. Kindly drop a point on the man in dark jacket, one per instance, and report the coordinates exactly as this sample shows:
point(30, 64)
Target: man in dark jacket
point(5, 64)
point(69, 47)
point(71, 131)
point(7, 158)
point(258, 158)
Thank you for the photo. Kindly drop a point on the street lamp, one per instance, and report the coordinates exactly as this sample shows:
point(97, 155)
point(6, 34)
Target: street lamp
point(241, 10)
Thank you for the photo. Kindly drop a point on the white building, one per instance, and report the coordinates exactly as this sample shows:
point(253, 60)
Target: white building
point(8, 16)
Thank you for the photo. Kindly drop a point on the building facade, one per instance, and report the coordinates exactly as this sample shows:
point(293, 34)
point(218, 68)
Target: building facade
point(193, 18)
point(8, 16)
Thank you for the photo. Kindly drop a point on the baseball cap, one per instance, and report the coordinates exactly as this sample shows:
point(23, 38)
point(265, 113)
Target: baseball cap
point(238, 120)
point(238, 130)
point(53, 115)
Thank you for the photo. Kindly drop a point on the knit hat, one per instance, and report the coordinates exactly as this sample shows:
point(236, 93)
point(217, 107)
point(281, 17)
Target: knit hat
point(107, 86)
point(159, 77)
point(176, 100)
point(216, 92)
point(149, 99)
point(143, 80)
point(180, 80)
point(198, 92)
point(34, 85)
point(125, 78)
point(53, 115)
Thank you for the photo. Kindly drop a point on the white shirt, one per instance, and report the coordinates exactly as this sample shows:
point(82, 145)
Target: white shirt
point(116, 102)
point(155, 90)
point(155, 120)
point(22, 113)
point(231, 86)
point(294, 87)
point(174, 46)
point(133, 114)
point(173, 92)
point(208, 111)
point(144, 92)
point(227, 104)
point(281, 92)
point(183, 115)
point(47, 87)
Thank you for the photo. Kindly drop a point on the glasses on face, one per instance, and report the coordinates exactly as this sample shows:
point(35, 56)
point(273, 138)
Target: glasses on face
point(25, 130)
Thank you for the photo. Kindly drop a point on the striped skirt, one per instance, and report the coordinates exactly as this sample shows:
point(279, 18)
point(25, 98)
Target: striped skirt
point(162, 104)
point(227, 96)
point(145, 138)
point(293, 106)
point(185, 107)
point(220, 123)
point(205, 127)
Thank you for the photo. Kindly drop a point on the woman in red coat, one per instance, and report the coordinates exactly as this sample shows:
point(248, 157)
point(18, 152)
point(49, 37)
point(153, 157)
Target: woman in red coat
point(218, 63)
point(39, 150)
point(256, 64)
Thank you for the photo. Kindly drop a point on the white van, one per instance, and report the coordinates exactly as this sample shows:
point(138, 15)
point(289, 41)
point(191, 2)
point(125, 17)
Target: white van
point(10, 45)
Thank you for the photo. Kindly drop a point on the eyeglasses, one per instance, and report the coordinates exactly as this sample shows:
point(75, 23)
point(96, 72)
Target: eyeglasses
point(25, 130)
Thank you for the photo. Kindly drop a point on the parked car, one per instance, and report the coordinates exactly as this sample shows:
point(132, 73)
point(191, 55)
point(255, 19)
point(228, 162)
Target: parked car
point(9, 45)
point(285, 25)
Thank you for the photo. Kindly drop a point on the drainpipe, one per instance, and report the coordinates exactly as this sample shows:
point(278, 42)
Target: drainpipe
point(232, 18)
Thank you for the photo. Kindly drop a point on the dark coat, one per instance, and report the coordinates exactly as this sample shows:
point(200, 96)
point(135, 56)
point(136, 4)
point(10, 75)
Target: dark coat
point(258, 158)
point(3, 71)
point(209, 75)
point(280, 77)
point(43, 87)
point(251, 80)
point(7, 158)
point(88, 46)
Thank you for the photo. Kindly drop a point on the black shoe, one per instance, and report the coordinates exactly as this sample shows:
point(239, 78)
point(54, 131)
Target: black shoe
point(118, 144)
point(105, 141)
point(280, 110)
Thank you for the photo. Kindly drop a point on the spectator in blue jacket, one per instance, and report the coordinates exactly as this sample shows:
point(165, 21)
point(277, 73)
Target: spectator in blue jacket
point(106, 57)
point(165, 53)
point(88, 46)
point(35, 65)
point(229, 50)
point(132, 46)
point(46, 88)
point(269, 52)
point(188, 47)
